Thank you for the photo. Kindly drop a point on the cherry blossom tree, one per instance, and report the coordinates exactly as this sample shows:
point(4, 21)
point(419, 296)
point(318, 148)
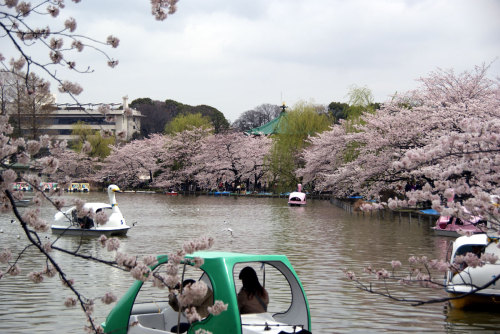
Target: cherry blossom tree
point(73, 165)
point(177, 162)
point(437, 134)
point(134, 162)
point(445, 135)
point(232, 158)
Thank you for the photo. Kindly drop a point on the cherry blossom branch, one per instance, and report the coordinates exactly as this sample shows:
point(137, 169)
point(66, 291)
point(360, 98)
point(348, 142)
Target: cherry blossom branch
point(67, 282)
point(418, 302)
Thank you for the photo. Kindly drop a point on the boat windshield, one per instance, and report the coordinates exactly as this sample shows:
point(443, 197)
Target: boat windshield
point(470, 248)
point(275, 283)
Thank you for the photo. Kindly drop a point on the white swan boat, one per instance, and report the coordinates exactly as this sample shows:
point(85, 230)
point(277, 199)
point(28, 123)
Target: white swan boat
point(68, 222)
point(297, 198)
point(474, 286)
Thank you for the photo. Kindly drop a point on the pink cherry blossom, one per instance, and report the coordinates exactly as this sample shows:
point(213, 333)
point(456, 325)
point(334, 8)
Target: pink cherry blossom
point(5, 256)
point(70, 302)
point(36, 277)
point(217, 308)
point(108, 298)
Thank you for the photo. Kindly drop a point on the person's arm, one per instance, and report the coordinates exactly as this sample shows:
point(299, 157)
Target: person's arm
point(173, 302)
point(207, 301)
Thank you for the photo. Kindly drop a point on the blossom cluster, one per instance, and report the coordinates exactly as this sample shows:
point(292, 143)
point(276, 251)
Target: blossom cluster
point(193, 156)
point(420, 271)
point(160, 8)
point(417, 148)
point(472, 260)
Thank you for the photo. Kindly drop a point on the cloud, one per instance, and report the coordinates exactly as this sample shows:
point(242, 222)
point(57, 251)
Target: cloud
point(235, 55)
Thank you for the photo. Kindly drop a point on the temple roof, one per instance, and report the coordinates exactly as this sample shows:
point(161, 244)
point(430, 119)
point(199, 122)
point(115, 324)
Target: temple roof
point(273, 127)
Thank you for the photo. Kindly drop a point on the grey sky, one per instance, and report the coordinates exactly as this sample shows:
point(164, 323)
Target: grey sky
point(235, 55)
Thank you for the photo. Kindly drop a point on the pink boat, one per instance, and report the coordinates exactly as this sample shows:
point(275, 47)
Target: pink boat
point(297, 198)
point(455, 227)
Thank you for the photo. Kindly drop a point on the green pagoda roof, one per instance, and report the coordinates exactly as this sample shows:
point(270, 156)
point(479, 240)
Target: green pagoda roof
point(273, 127)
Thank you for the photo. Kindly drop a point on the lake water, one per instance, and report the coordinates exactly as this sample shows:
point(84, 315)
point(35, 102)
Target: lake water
point(320, 240)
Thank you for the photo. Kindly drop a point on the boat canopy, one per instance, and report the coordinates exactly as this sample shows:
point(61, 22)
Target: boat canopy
point(467, 242)
point(219, 270)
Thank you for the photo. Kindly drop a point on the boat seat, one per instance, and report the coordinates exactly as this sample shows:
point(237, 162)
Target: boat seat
point(140, 324)
point(151, 323)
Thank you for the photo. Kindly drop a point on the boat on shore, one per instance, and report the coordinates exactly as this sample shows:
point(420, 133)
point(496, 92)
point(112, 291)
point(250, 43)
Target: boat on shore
point(171, 193)
point(23, 202)
point(449, 226)
point(287, 312)
point(78, 187)
point(297, 198)
point(474, 287)
point(69, 223)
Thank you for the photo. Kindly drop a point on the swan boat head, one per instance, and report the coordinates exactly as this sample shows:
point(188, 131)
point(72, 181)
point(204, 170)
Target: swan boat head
point(116, 217)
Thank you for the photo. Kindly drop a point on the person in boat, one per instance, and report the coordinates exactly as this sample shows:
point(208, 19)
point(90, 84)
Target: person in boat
point(253, 297)
point(86, 222)
point(477, 250)
point(201, 305)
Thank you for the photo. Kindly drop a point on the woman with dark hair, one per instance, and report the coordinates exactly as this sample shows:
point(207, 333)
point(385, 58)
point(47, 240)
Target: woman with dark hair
point(252, 298)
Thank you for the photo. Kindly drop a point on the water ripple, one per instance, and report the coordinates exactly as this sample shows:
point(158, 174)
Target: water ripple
point(320, 240)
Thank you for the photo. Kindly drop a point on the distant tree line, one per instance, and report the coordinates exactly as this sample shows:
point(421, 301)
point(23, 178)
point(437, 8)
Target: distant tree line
point(159, 113)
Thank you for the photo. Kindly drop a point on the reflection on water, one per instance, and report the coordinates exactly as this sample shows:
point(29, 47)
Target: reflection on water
point(320, 240)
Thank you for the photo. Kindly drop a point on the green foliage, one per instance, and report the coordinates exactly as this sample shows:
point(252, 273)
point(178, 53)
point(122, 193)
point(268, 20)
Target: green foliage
point(361, 100)
point(219, 122)
point(100, 145)
point(360, 96)
point(338, 110)
point(294, 129)
point(142, 100)
point(187, 122)
point(158, 114)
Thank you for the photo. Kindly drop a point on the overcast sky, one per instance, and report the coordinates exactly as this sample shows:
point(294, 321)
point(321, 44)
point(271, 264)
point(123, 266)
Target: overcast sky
point(237, 54)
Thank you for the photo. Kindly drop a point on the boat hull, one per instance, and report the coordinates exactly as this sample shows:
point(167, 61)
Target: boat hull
point(446, 233)
point(92, 232)
point(292, 203)
point(447, 226)
point(475, 301)
point(23, 203)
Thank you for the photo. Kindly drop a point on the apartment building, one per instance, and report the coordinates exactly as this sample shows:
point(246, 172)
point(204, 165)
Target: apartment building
point(59, 124)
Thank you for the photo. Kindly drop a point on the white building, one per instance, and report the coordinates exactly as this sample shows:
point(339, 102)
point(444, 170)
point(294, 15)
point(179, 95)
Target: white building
point(59, 123)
